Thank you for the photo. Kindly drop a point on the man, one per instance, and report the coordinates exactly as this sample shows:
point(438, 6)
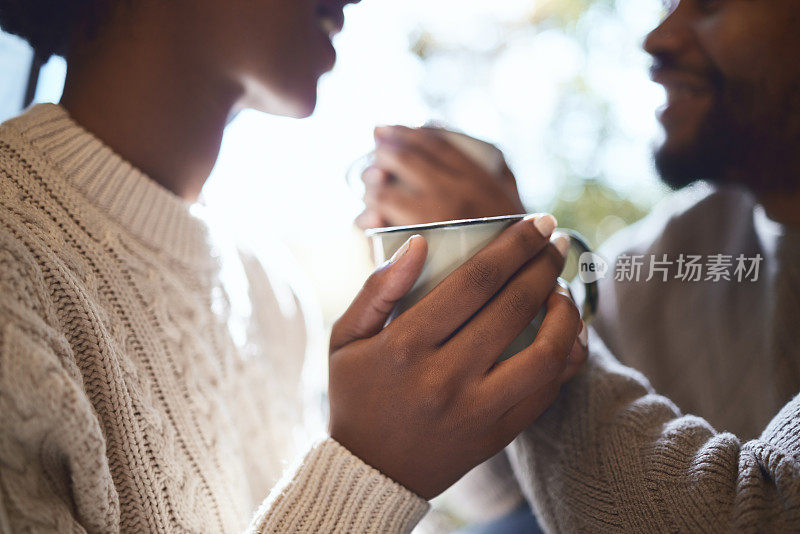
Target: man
point(612, 454)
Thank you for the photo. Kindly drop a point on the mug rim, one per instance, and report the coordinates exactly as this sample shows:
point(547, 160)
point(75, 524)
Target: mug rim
point(444, 224)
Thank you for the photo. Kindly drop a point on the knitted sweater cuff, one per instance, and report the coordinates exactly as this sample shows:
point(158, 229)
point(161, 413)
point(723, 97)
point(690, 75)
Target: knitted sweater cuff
point(334, 491)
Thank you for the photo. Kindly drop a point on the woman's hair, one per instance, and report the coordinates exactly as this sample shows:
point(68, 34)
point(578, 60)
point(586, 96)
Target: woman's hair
point(50, 25)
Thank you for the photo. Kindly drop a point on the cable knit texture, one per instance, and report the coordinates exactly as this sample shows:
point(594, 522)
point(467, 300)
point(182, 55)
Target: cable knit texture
point(124, 402)
point(614, 454)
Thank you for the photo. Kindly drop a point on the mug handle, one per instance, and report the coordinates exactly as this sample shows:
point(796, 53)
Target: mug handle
point(588, 308)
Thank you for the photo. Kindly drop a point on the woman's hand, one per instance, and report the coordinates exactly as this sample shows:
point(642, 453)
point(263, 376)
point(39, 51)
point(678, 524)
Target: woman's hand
point(422, 399)
point(418, 177)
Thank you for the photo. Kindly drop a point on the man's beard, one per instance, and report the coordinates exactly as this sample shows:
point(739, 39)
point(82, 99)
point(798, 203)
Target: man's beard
point(750, 137)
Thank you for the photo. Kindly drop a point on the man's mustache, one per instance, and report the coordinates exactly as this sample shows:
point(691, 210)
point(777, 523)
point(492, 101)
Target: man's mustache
point(665, 63)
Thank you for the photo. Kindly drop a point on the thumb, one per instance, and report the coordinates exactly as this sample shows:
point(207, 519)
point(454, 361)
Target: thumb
point(506, 174)
point(388, 284)
point(509, 183)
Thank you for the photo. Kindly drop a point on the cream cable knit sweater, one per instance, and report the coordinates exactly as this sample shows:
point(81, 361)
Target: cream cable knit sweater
point(124, 403)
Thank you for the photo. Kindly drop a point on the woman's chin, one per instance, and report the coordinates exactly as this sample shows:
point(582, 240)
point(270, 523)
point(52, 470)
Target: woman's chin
point(302, 110)
point(298, 105)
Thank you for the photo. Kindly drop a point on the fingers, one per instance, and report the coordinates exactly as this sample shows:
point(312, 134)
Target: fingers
point(387, 201)
point(523, 414)
point(507, 175)
point(577, 357)
point(368, 313)
point(414, 167)
point(497, 324)
point(374, 176)
point(510, 184)
point(395, 204)
point(445, 179)
point(429, 142)
point(370, 219)
point(543, 361)
point(367, 219)
point(459, 296)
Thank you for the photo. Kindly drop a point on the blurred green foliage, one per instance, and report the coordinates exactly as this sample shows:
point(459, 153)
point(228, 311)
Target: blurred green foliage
point(595, 210)
point(563, 14)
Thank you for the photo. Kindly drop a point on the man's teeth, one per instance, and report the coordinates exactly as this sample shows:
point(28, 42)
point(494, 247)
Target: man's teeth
point(680, 90)
point(328, 25)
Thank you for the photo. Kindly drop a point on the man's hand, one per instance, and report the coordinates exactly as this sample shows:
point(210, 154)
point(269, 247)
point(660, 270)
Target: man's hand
point(422, 399)
point(418, 177)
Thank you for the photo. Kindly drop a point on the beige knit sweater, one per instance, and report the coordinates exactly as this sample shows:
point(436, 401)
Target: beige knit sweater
point(124, 402)
point(612, 455)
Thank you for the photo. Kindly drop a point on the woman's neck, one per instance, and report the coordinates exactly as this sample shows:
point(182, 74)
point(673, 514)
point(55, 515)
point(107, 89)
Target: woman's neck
point(163, 116)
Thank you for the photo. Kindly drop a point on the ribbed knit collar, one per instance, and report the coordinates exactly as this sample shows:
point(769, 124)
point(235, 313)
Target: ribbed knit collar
point(151, 213)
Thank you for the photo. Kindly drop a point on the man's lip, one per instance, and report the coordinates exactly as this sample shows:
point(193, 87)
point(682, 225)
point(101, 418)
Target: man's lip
point(681, 78)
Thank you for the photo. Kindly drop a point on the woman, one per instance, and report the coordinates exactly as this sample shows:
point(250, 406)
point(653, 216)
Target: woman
point(124, 403)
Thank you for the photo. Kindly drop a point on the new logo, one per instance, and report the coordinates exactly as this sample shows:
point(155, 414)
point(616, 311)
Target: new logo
point(591, 267)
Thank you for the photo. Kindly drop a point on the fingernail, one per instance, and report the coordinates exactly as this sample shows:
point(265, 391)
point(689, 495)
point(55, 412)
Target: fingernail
point(544, 223)
point(583, 336)
point(563, 288)
point(402, 250)
point(561, 242)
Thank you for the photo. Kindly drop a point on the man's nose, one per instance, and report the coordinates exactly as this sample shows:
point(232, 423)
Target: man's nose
point(673, 35)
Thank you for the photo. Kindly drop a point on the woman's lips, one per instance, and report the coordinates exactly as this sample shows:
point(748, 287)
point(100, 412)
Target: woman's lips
point(327, 25)
point(330, 24)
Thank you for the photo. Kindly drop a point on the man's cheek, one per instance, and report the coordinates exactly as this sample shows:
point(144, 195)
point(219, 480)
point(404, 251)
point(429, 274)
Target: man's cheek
point(744, 38)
